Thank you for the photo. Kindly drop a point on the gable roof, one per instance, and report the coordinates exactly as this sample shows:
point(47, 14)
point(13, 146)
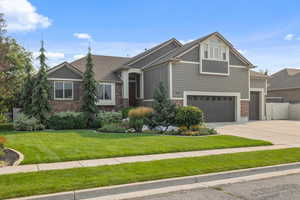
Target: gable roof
point(174, 54)
point(150, 51)
point(104, 66)
point(287, 78)
point(53, 69)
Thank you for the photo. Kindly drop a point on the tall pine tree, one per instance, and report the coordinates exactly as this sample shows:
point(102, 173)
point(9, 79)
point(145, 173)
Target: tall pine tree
point(89, 107)
point(26, 94)
point(40, 94)
point(164, 109)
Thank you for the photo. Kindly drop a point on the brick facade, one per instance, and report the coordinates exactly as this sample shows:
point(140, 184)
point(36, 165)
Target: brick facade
point(244, 108)
point(65, 105)
point(75, 105)
point(178, 102)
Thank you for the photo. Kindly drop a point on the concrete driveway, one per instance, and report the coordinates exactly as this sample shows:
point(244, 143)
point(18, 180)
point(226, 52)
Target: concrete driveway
point(284, 132)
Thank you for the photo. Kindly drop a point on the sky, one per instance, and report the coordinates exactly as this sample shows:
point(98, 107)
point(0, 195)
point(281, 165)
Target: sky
point(266, 32)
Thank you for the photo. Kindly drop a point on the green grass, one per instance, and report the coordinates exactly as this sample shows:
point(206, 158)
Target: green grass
point(33, 183)
point(57, 146)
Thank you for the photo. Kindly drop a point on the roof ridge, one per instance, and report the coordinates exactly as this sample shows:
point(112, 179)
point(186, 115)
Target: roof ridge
point(151, 49)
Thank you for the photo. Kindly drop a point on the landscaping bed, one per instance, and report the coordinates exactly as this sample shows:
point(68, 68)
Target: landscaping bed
point(8, 158)
point(34, 183)
point(68, 145)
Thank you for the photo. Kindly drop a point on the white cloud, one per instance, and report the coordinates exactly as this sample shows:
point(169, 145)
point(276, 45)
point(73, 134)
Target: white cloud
point(82, 35)
point(289, 37)
point(50, 55)
point(242, 51)
point(21, 15)
point(78, 56)
point(186, 41)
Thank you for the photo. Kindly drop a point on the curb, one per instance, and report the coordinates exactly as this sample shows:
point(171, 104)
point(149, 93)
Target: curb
point(134, 190)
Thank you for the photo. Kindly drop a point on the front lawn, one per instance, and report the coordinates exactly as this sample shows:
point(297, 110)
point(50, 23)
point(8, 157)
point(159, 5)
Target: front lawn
point(58, 146)
point(33, 183)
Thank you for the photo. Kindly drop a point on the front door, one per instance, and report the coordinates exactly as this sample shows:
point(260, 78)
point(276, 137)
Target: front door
point(132, 93)
point(254, 106)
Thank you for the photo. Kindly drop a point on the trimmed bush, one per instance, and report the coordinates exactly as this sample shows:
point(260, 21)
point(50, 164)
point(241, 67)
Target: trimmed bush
point(2, 141)
point(6, 127)
point(138, 117)
point(112, 128)
point(189, 116)
point(26, 123)
point(97, 123)
point(125, 111)
point(67, 120)
point(110, 117)
point(3, 119)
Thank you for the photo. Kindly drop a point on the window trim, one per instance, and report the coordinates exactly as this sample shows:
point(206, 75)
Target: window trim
point(112, 101)
point(207, 43)
point(54, 95)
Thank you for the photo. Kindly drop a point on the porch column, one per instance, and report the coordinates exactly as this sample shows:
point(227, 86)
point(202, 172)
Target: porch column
point(125, 89)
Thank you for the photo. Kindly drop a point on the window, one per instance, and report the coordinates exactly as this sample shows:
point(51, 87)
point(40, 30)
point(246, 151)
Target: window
point(63, 90)
point(105, 93)
point(214, 49)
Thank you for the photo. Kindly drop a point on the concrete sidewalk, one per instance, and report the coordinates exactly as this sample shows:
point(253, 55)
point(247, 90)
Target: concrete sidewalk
point(130, 159)
point(148, 188)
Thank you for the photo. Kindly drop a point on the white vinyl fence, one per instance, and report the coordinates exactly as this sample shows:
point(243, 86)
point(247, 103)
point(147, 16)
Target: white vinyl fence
point(281, 111)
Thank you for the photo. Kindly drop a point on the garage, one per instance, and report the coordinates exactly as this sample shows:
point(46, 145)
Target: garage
point(215, 108)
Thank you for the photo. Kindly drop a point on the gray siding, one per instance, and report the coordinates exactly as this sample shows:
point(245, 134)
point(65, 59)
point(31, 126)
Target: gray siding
point(152, 78)
point(76, 90)
point(193, 55)
point(234, 60)
point(186, 77)
point(215, 66)
point(258, 83)
point(64, 72)
point(156, 54)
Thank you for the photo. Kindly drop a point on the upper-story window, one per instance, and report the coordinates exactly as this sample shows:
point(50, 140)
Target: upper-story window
point(63, 90)
point(214, 49)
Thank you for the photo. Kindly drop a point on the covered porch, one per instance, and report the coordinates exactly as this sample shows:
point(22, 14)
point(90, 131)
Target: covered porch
point(133, 91)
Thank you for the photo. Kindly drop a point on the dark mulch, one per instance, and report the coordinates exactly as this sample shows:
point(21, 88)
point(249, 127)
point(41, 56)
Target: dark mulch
point(9, 157)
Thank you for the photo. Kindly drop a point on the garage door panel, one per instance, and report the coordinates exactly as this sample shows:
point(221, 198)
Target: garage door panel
point(215, 108)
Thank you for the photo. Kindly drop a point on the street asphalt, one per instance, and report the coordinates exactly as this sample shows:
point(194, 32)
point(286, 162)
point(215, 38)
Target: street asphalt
point(278, 188)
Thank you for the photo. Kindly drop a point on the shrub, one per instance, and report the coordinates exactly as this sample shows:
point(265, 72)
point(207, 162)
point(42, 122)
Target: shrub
point(2, 141)
point(26, 123)
point(3, 118)
point(138, 117)
point(125, 111)
point(6, 127)
point(67, 120)
point(112, 128)
point(189, 116)
point(164, 110)
point(97, 123)
point(110, 117)
point(199, 132)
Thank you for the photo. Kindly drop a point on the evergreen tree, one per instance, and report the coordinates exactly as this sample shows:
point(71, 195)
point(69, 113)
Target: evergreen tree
point(40, 104)
point(26, 94)
point(89, 107)
point(164, 109)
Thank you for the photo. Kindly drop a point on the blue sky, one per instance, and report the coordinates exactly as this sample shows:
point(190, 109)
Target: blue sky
point(266, 32)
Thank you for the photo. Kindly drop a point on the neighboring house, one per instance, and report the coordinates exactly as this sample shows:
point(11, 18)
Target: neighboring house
point(208, 72)
point(284, 86)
